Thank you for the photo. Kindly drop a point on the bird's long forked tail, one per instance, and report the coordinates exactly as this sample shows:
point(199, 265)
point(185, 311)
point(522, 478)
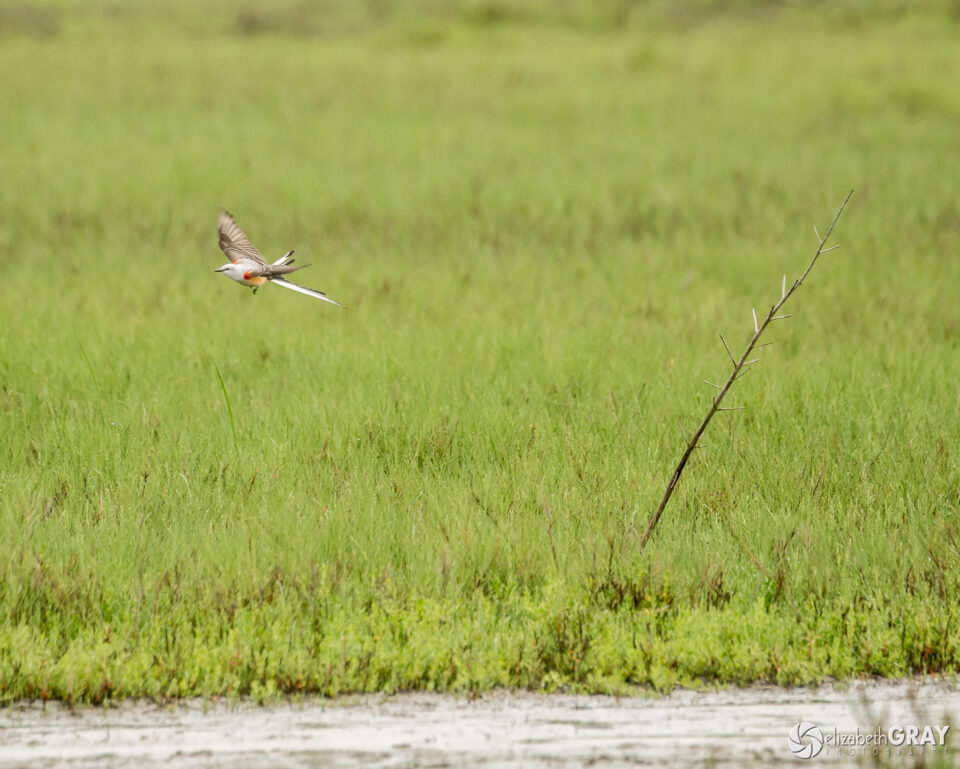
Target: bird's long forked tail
point(305, 290)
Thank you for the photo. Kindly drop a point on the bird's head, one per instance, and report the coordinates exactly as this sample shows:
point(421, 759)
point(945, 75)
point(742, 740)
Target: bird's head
point(230, 268)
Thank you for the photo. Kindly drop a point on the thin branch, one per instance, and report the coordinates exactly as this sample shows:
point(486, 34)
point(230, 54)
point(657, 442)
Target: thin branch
point(739, 370)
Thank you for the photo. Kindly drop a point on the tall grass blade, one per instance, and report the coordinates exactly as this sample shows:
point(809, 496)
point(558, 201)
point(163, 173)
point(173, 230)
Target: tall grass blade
point(226, 399)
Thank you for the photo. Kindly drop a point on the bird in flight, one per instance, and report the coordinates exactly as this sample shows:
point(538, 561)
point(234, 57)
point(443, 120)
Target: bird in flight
point(247, 265)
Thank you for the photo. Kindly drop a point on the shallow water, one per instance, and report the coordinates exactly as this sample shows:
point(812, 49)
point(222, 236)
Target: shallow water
point(730, 728)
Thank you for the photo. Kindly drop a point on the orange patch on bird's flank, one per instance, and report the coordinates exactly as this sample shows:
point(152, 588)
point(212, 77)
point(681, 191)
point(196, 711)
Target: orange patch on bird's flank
point(256, 280)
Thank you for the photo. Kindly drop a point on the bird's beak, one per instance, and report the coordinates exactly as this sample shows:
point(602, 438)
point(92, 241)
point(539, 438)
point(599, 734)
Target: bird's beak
point(220, 269)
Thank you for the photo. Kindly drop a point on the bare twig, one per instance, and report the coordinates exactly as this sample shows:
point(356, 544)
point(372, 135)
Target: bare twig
point(739, 369)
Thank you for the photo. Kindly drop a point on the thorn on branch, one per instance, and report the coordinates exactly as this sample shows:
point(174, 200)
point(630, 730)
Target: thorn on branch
point(712, 384)
point(727, 348)
point(819, 239)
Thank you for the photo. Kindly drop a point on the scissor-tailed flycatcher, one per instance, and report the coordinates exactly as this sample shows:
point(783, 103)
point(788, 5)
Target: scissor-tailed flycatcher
point(247, 265)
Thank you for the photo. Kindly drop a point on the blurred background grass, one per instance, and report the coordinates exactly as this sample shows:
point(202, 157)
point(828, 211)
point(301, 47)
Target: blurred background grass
point(539, 215)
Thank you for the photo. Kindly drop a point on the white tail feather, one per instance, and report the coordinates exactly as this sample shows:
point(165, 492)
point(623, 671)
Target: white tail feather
point(304, 290)
point(285, 259)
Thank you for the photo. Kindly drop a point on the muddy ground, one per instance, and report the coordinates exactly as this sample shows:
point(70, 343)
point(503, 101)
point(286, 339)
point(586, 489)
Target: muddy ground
point(729, 728)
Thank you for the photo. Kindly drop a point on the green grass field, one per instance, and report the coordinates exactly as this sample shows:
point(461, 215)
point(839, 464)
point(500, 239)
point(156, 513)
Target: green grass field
point(539, 222)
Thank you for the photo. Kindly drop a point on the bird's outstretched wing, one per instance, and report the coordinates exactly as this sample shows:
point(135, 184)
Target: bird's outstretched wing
point(234, 243)
point(304, 290)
